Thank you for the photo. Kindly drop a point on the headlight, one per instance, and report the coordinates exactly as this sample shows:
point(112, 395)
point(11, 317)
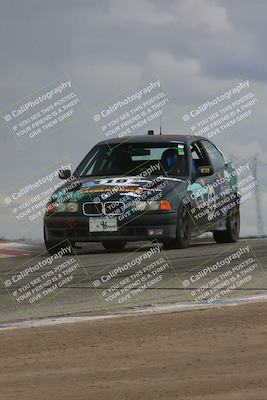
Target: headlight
point(61, 207)
point(147, 205)
point(140, 205)
point(163, 205)
point(72, 207)
point(153, 205)
point(66, 207)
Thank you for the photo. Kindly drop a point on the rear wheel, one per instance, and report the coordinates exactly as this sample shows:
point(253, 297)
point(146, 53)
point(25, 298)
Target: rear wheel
point(231, 233)
point(114, 245)
point(183, 231)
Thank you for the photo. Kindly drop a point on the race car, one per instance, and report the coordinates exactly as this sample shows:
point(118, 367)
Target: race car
point(167, 188)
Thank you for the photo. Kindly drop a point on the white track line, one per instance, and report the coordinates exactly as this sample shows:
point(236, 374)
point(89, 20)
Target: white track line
point(165, 309)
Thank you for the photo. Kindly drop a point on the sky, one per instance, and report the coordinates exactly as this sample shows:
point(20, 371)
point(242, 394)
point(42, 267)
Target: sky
point(195, 47)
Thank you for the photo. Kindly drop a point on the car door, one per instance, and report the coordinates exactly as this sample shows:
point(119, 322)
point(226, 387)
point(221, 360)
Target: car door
point(218, 185)
point(204, 192)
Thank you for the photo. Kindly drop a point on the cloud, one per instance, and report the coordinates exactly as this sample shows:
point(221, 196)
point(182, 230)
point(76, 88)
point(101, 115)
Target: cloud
point(184, 78)
point(202, 14)
point(96, 78)
point(140, 12)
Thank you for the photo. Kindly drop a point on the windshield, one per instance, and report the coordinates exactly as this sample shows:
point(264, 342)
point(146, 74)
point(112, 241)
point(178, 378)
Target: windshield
point(134, 158)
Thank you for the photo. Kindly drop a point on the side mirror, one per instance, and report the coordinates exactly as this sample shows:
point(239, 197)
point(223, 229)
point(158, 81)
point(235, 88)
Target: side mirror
point(64, 174)
point(204, 171)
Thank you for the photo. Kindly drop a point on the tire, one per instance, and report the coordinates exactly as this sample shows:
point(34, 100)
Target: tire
point(183, 231)
point(114, 245)
point(231, 234)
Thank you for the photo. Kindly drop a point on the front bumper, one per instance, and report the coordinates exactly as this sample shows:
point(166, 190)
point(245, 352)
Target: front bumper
point(76, 228)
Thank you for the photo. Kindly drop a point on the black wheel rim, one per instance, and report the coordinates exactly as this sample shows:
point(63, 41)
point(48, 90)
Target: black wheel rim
point(235, 224)
point(185, 225)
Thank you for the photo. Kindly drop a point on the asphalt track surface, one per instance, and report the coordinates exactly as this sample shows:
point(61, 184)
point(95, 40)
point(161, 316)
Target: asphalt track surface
point(94, 280)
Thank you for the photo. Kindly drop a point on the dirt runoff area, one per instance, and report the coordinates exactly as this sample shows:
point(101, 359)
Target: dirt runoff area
point(217, 354)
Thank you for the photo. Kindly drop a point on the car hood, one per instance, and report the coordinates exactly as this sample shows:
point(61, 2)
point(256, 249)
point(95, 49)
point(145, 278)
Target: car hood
point(106, 188)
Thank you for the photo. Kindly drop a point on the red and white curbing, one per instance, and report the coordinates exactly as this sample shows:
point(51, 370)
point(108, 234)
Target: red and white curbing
point(13, 249)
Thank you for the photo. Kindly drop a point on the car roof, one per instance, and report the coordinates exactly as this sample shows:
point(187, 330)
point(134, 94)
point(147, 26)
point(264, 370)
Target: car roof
point(152, 139)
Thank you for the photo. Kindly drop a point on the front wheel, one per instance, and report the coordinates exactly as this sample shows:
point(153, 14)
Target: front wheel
point(231, 233)
point(183, 231)
point(114, 245)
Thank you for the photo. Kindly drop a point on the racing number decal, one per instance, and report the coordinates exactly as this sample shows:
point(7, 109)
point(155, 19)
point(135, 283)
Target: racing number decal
point(116, 181)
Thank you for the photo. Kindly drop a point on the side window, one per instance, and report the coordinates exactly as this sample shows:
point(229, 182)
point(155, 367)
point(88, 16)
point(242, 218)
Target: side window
point(199, 155)
point(216, 158)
